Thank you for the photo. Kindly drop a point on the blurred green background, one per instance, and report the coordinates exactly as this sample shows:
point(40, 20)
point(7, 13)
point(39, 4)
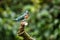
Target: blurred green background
point(44, 21)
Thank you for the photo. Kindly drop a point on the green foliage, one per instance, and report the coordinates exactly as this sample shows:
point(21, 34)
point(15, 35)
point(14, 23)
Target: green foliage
point(44, 21)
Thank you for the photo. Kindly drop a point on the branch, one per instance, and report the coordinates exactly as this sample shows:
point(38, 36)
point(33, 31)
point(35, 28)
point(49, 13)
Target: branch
point(23, 33)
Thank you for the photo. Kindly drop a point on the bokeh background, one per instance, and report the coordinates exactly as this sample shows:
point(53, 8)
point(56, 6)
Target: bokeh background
point(44, 21)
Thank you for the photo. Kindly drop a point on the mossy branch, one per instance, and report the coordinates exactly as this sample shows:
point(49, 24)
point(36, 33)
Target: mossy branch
point(23, 33)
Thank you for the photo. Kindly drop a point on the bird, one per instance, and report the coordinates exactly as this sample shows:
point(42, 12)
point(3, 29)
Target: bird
point(23, 17)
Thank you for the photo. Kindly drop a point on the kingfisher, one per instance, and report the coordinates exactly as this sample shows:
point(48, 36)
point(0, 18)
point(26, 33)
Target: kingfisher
point(23, 17)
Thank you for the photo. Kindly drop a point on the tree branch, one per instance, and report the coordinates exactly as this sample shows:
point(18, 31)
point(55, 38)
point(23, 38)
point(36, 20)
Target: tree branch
point(21, 32)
